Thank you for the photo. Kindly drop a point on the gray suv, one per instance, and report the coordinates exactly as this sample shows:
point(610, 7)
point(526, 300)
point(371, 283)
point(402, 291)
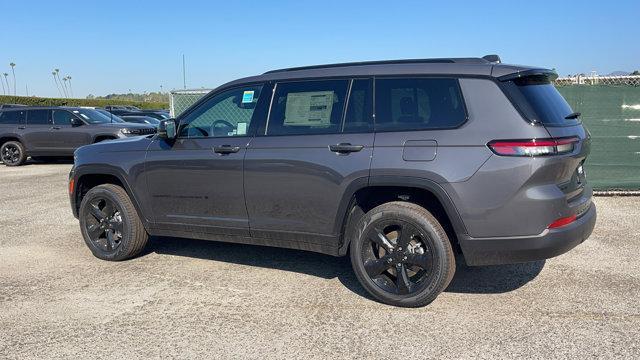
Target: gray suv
point(42, 132)
point(399, 164)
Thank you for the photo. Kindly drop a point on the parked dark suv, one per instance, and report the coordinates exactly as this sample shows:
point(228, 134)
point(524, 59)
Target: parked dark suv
point(398, 163)
point(42, 132)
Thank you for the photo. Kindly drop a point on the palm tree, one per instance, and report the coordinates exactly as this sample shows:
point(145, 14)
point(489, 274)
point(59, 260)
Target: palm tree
point(64, 85)
point(13, 65)
point(57, 71)
point(6, 78)
point(55, 79)
point(70, 89)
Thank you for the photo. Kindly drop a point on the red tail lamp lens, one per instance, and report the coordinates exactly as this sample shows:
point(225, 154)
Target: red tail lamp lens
point(562, 222)
point(533, 147)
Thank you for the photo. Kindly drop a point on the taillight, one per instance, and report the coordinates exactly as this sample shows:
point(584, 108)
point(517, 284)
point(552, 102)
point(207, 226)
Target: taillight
point(533, 147)
point(562, 222)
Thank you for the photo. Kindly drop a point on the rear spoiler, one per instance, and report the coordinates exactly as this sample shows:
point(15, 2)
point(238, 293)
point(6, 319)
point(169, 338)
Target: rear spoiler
point(550, 74)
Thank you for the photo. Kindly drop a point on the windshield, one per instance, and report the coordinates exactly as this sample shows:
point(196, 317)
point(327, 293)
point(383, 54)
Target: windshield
point(115, 118)
point(550, 107)
point(92, 116)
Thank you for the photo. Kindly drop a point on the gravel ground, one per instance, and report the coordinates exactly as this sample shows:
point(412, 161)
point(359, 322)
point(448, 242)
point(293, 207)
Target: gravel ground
point(199, 299)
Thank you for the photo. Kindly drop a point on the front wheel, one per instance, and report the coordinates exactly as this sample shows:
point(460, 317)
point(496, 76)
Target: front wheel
point(12, 153)
point(110, 224)
point(401, 255)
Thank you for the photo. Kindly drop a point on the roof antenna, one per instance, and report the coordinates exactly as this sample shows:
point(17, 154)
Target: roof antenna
point(492, 58)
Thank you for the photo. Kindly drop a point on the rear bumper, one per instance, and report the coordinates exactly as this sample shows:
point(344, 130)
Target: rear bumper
point(550, 243)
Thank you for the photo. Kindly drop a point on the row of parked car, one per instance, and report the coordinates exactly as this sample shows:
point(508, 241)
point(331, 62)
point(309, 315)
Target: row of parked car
point(46, 132)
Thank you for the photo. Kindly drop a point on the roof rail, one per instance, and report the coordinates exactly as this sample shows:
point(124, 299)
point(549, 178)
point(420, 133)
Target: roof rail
point(389, 62)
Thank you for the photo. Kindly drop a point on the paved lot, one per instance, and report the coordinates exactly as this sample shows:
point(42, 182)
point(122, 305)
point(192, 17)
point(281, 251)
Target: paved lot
point(198, 299)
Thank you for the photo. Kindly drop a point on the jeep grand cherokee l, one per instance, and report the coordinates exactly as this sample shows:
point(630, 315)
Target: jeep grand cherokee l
point(396, 163)
point(42, 132)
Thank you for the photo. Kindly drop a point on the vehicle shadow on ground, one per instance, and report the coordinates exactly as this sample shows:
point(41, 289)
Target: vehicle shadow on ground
point(68, 161)
point(471, 280)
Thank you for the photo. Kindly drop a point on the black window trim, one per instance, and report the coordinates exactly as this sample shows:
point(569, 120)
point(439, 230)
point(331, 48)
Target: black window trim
point(212, 94)
point(438, 76)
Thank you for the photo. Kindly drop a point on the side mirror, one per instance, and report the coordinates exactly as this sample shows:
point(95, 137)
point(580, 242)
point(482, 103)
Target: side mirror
point(167, 129)
point(76, 122)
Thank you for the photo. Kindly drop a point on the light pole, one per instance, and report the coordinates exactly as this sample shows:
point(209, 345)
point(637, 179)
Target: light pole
point(4, 92)
point(13, 71)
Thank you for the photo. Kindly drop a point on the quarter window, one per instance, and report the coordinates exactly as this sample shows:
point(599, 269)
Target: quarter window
point(227, 114)
point(418, 104)
point(307, 107)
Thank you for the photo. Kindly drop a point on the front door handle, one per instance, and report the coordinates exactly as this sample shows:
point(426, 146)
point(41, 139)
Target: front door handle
point(226, 149)
point(55, 128)
point(22, 127)
point(345, 148)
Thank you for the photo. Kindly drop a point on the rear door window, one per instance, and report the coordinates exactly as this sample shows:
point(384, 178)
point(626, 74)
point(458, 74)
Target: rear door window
point(404, 104)
point(12, 117)
point(308, 107)
point(549, 107)
point(359, 116)
point(38, 117)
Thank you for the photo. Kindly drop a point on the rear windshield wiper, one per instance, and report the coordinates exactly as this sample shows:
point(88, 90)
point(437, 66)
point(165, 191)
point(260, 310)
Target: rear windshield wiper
point(573, 115)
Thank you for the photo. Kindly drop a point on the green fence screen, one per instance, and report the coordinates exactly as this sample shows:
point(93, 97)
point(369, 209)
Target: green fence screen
point(612, 114)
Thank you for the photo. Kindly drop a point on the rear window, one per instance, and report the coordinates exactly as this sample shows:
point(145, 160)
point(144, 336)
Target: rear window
point(548, 106)
point(418, 104)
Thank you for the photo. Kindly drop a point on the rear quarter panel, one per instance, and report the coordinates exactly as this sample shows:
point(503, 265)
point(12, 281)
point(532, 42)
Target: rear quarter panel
point(462, 152)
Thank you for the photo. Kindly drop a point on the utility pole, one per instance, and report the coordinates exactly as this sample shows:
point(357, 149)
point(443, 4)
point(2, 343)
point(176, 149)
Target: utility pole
point(184, 76)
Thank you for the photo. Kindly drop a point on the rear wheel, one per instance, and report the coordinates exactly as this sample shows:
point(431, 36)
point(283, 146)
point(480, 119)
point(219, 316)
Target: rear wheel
point(402, 255)
point(110, 224)
point(12, 153)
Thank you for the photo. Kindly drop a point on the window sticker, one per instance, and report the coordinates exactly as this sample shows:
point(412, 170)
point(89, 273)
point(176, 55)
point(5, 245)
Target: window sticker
point(309, 109)
point(247, 97)
point(242, 128)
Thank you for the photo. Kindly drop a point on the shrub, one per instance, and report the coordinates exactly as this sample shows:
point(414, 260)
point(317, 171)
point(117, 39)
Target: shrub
point(39, 101)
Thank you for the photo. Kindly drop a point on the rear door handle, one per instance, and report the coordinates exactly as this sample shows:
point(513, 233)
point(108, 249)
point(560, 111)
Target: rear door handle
point(55, 128)
point(226, 149)
point(22, 127)
point(345, 148)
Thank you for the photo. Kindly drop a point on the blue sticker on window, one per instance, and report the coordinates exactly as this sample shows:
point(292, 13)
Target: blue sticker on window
point(247, 97)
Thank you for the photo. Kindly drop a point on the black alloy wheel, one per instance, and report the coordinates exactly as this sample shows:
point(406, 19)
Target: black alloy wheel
point(401, 254)
point(12, 153)
point(104, 224)
point(396, 257)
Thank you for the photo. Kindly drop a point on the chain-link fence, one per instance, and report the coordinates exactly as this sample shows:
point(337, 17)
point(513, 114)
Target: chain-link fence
point(180, 100)
point(610, 107)
point(628, 80)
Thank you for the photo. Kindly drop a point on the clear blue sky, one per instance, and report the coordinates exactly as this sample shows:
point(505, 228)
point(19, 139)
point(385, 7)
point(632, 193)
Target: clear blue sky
point(114, 46)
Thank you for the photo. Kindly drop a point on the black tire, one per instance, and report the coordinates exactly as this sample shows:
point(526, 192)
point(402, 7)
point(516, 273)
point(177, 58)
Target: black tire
point(121, 218)
point(12, 153)
point(427, 260)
